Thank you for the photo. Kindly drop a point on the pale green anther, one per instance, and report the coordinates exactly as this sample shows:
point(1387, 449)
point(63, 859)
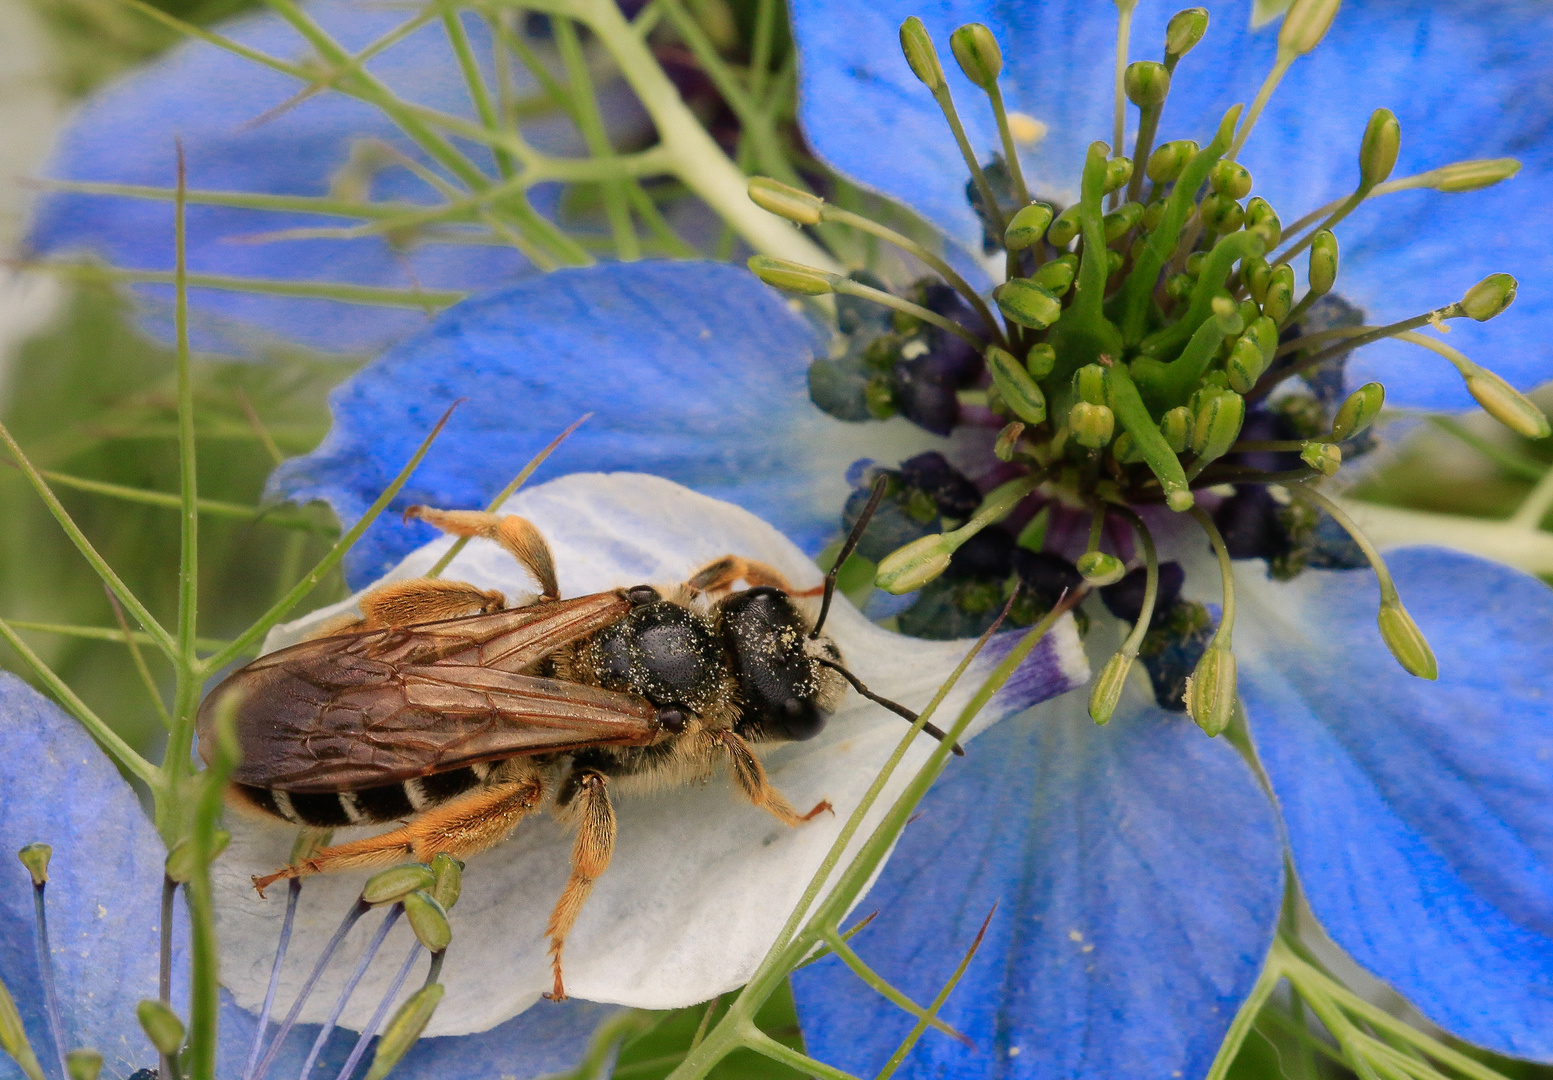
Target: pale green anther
point(429, 921)
point(1323, 262)
point(879, 398)
point(1180, 286)
point(389, 885)
point(1040, 360)
point(917, 44)
point(1358, 411)
point(161, 1026)
point(1257, 272)
point(1091, 384)
point(1278, 296)
point(792, 277)
point(1244, 365)
point(1026, 303)
point(1008, 441)
point(1147, 83)
point(1378, 149)
point(785, 201)
point(1121, 221)
point(1153, 214)
point(1113, 262)
point(1065, 228)
point(1092, 425)
point(1221, 213)
point(1326, 458)
point(1019, 390)
point(1185, 30)
point(1100, 569)
point(13, 1037)
point(35, 857)
point(1506, 404)
point(1125, 449)
point(1305, 24)
point(1194, 261)
point(1230, 179)
point(1117, 172)
point(978, 54)
point(1217, 425)
point(449, 873)
point(1406, 642)
point(404, 1029)
point(908, 568)
point(1057, 276)
point(1168, 159)
point(84, 1064)
point(1231, 320)
point(1489, 297)
point(1108, 687)
point(1210, 691)
point(1176, 427)
point(1026, 227)
point(180, 865)
point(1262, 219)
point(1472, 175)
point(1264, 331)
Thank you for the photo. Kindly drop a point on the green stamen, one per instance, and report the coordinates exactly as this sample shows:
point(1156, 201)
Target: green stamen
point(1112, 680)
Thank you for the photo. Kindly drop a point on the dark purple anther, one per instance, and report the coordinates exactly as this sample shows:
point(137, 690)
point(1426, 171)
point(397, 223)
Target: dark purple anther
point(1124, 599)
point(924, 395)
point(950, 489)
point(1047, 576)
point(1250, 525)
point(987, 556)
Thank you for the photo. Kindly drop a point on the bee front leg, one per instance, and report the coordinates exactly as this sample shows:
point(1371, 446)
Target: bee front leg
point(720, 574)
point(460, 827)
point(589, 805)
point(750, 775)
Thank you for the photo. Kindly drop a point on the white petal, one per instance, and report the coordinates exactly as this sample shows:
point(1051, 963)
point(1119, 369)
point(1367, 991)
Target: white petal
point(701, 881)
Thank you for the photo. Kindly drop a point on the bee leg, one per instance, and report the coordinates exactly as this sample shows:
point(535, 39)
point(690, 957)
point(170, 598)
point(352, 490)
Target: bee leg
point(460, 827)
point(720, 574)
point(424, 600)
point(595, 843)
point(518, 535)
point(750, 775)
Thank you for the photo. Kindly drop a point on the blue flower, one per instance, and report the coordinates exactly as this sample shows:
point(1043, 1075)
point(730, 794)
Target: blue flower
point(103, 897)
point(220, 105)
point(1402, 254)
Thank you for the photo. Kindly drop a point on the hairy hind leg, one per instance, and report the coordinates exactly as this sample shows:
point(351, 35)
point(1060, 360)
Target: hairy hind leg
point(720, 574)
point(517, 535)
point(463, 826)
point(589, 806)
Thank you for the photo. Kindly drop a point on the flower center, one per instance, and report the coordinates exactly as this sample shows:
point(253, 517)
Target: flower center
point(1147, 355)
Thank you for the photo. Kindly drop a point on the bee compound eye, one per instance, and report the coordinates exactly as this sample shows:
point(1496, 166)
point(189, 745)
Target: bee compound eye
point(641, 595)
point(672, 718)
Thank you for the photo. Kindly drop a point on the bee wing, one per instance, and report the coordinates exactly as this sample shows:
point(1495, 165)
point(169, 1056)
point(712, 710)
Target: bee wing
point(359, 710)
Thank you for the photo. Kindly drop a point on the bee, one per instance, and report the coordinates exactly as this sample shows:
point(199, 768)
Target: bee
point(445, 710)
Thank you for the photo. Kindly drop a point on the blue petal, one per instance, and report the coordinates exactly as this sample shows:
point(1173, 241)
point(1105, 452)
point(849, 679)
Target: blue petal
point(1136, 872)
point(693, 371)
point(1403, 254)
point(209, 98)
point(105, 884)
point(1420, 814)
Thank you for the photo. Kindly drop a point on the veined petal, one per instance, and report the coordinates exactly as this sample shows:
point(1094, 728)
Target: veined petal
point(1420, 815)
point(1136, 873)
point(694, 371)
point(700, 881)
point(105, 884)
point(218, 104)
point(1402, 254)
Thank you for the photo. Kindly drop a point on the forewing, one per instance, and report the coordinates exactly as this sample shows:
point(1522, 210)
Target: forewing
point(356, 710)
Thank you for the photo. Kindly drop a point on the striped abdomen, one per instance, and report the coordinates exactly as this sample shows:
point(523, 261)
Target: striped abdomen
point(368, 806)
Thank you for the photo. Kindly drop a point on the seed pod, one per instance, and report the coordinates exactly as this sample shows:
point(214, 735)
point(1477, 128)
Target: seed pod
point(1092, 425)
point(1244, 365)
point(1057, 276)
point(1091, 384)
point(1326, 458)
point(389, 885)
point(84, 1064)
point(792, 277)
point(1506, 404)
point(1221, 213)
point(908, 568)
point(1279, 297)
point(404, 1029)
point(1108, 688)
point(35, 857)
point(1176, 427)
point(428, 920)
point(1489, 297)
point(1323, 262)
point(1217, 424)
point(1016, 386)
point(1305, 24)
point(1406, 642)
point(161, 1026)
point(1117, 172)
point(1065, 228)
point(1230, 179)
point(1262, 219)
point(1210, 692)
point(1472, 175)
point(1185, 29)
point(449, 873)
point(1359, 410)
point(1100, 569)
point(13, 1037)
point(1257, 272)
point(1040, 360)
point(1378, 149)
point(1146, 82)
point(1168, 159)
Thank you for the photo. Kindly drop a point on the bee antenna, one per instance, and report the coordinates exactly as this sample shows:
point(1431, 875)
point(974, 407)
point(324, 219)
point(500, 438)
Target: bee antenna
point(899, 710)
point(880, 484)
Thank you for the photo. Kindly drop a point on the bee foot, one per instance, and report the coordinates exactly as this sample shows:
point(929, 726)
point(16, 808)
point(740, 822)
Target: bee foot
point(821, 807)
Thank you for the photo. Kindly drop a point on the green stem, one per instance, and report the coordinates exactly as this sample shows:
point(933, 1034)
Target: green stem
point(1140, 629)
point(1365, 337)
point(320, 290)
point(849, 287)
point(479, 96)
point(1164, 386)
point(213, 507)
point(188, 478)
point(119, 750)
point(920, 1027)
point(1124, 9)
point(1148, 126)
point(1388, 589)
point(1245, 1018)
point(1216, 267)
point(766, 1046)
point(1016, 171)
point(1344, 208)
point(1518, 465)
point(1136, 420)
point(105, 633)
point(838, 945)
point(142, 669)
point(1263, 95)
point(592, 125)
point(1223, 636)
point(1536, 505)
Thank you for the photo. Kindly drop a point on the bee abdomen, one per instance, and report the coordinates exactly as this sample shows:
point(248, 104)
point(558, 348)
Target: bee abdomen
point(366, 806)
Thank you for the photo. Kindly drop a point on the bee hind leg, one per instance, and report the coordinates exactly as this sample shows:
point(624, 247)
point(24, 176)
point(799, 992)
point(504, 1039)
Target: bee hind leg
point(751, 777)
point(424, 600)
point(517, 535)
point(589, 806)
point(460, 827)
